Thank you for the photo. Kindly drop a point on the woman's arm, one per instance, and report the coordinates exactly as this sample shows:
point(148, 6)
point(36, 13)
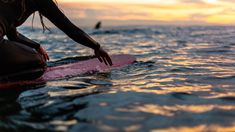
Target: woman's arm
point(49, 9)
point(14, 35)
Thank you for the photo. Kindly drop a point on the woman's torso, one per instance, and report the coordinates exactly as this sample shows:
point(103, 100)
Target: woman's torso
point(13, 13)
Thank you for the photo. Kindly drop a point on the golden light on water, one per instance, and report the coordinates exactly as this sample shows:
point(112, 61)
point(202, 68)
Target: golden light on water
point(199, 99)
point(155, 11)
point(172, 110)
point(200, 128)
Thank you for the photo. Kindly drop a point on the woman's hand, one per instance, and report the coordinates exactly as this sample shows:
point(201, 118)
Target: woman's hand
point(43, 53)
point(103, 56)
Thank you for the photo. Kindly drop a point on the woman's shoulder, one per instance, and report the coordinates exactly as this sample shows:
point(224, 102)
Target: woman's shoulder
point(11, 3)
point(40, 2)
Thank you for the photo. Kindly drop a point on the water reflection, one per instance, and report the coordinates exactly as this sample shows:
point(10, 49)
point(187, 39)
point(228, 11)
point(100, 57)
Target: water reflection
point(183, 81)
point(171, 110)
point(201, 128)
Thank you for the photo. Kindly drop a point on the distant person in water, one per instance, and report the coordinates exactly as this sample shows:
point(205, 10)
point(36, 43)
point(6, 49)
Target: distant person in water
point(23, 58)
point(98, 25)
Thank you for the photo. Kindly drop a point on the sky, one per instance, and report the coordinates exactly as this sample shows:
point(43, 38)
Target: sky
point(150, 12)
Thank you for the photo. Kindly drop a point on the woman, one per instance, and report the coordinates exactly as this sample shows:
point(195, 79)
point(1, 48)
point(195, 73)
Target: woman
point(23, 58)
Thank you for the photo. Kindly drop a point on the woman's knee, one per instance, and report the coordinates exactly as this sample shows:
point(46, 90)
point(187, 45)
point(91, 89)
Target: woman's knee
point(21, 53)
point(17, 57)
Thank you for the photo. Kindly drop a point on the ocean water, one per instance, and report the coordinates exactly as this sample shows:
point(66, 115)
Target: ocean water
point(183, 80)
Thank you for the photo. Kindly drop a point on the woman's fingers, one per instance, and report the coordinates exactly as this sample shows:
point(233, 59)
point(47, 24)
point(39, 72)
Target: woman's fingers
point(104, 60)
point(45, 56)
point(103, 57)
point(43, 53)
point(99, 58)
point(97, 54)
point(109, 60)
point(48, 58)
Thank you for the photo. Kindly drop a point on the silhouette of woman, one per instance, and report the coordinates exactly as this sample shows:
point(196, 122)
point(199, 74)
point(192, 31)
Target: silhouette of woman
point(23, 58)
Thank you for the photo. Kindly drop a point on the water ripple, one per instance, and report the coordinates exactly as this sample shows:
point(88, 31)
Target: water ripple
point(183, 81)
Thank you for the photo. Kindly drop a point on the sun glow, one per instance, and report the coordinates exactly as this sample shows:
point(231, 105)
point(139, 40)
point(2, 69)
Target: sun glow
point(211, 1)
point(152, 11)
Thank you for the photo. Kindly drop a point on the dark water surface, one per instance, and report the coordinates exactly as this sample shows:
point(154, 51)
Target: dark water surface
point(184, 80)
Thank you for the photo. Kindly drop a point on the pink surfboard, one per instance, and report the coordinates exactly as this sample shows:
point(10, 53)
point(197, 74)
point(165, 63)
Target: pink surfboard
point(74, 69)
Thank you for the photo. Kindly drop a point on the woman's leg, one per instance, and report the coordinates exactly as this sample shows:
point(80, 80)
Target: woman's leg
point(19, 62)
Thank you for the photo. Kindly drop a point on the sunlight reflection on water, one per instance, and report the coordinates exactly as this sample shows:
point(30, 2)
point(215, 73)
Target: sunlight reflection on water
point(183, 81)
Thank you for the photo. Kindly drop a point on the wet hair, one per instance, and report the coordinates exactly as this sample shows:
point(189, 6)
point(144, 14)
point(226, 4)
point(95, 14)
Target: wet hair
point(23, 10)
point(44, 27)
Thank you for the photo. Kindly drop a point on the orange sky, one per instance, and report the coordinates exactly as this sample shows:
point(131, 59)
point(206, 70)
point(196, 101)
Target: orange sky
point(152, 11)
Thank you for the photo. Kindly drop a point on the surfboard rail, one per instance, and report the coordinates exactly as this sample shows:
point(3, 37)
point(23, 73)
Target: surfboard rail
point(74, 69)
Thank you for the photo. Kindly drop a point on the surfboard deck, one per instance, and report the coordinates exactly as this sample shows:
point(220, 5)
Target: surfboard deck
point(74, 69)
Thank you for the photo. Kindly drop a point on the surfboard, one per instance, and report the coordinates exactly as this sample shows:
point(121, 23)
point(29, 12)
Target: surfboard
point(74, 69)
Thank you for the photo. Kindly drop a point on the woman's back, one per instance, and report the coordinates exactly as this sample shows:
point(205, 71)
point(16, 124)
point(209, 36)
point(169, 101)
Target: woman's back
point(13, 13)
point(18, 53)
point(10, 10)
